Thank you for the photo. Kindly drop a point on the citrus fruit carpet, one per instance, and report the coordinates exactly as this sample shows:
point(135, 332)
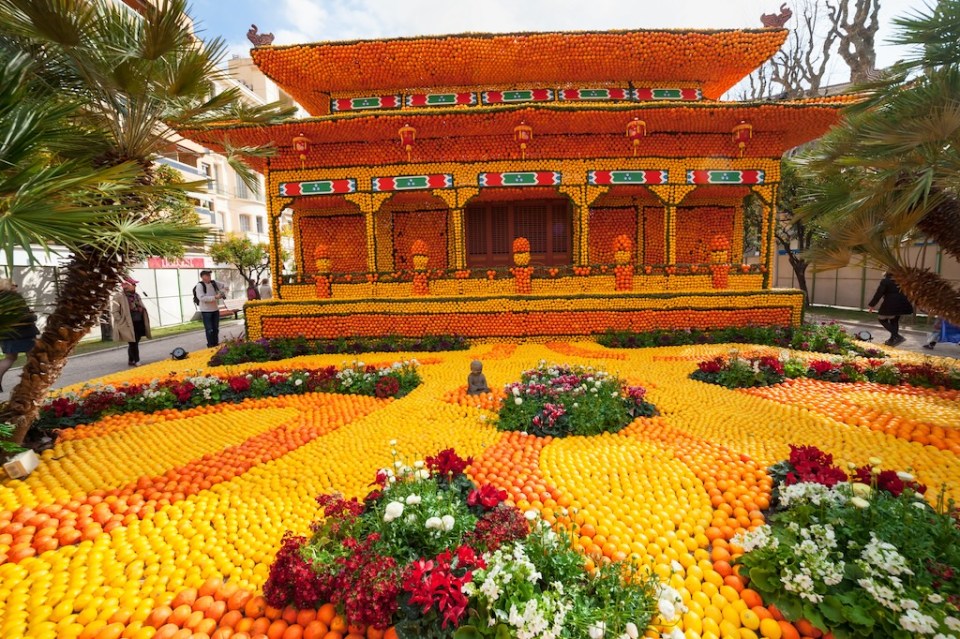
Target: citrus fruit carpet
point(166, 524)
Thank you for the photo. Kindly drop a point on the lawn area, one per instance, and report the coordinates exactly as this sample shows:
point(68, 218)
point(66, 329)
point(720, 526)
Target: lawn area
point(130, 514)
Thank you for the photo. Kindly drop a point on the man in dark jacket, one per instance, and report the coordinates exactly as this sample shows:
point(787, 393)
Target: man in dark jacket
point(893, 306)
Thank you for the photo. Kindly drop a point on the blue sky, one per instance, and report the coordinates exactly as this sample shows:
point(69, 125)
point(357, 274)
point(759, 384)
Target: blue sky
point(295, 21)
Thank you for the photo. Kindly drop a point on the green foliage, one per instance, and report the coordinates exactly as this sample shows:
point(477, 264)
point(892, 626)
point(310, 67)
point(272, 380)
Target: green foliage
point(563, 400)
point(7, 447)
point(271, 350)
point(858, 561)
point(821, 338)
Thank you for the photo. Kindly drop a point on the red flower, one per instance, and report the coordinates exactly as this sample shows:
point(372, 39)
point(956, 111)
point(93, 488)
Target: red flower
point(447, 463)
point(387, 386)
point(888, 481)
point(821, 367)
point(438, 583)
point(335, 506)
point(714, 365)
point(812, 465)
point(239, 384)
point(487, 496)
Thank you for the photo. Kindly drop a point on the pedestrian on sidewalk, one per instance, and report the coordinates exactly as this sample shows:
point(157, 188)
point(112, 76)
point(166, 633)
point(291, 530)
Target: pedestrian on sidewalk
point(894, 305)
point(131, 322)
point(931, 342)
point(23, 335)
point(207, 295)
point(266, 291)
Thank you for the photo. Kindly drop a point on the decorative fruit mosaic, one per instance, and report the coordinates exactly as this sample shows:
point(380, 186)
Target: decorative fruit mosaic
point(166, 524)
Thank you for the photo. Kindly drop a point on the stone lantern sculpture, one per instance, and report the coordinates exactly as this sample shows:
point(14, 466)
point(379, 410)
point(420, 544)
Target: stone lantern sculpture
point(420, 261)
point(322, 262)
point(522, 271)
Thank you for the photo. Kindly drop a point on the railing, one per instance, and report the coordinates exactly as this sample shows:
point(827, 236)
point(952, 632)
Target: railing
point(180, 166)
point(506, 272)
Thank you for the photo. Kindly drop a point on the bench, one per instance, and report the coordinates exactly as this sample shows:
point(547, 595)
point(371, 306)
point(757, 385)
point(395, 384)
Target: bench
point(232, 307)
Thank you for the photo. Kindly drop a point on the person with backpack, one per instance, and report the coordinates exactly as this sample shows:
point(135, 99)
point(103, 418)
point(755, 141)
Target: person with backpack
point(206, 296)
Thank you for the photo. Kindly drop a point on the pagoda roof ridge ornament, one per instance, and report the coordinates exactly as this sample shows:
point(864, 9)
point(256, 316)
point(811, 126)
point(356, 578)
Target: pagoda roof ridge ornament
point(776, 21)
point(713, 60)
point(259, 39)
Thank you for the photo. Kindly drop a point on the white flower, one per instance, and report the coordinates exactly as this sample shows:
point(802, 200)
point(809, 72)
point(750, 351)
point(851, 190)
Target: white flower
point(860, 502)
point(433, 523)
point(860, 489)
point(393, 442)
point(298, 382)
point(667, 610)
point(952, 623)
point(448, 521)
point(517, 400)
point(676, 566)
point(393, 510)
point(530, 515)
point(423, 473)
point(597, 630)
point(418, 464)
point(398, 464)
point(935, 598)
point(675, 633)
point(413, 500)
point(631, 630)
point(516, 391)
point(905, 476)
point(874, 461)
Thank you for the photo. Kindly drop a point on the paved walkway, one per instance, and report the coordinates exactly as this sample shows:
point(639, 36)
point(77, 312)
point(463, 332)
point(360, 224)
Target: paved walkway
point(916, 338)
point(86, 366)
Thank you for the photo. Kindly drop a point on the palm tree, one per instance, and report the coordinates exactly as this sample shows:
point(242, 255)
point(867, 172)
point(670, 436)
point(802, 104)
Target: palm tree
point(137, 77)
point(889, 174)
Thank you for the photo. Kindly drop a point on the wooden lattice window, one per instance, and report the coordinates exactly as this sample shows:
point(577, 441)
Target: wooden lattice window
point(491, 229)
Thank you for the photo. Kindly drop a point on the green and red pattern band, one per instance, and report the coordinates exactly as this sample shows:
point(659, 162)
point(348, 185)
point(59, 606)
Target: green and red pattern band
point(645, 94)
point(518, 95)
point(440, 99)
point(318, 187)
point(370, 102)
point(520, 178)
point(643, 176)
point(413, 182)
point(594, 94)
point(724, 176)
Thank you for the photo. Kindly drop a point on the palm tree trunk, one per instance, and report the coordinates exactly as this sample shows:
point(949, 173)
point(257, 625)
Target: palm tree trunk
point(930, 292)
point(942, 224)
point(88, 283)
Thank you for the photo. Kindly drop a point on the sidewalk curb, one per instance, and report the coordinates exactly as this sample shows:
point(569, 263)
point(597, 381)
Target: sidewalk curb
point(122, 345)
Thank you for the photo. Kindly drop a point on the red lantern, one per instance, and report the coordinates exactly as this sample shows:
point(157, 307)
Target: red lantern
point(636, 129)
point(407, 135)
point(523, 133)
point(742, 133)
point(301, 144)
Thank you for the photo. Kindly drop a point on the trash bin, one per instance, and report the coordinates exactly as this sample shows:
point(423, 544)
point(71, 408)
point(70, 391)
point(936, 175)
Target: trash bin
point(106, 328)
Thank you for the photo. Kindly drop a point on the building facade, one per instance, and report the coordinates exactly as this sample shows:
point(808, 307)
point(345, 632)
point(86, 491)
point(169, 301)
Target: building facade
point(524, 184)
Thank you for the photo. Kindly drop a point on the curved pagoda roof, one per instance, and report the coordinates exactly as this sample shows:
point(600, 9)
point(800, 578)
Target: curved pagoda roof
point(711, 60)
point(674, 130)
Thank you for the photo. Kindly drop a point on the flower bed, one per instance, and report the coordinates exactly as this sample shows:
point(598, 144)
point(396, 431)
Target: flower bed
point(560, 400)
point(72, 409)
point(831, 338)
point(433, 555)
point(747, 372)
point(279, 348)
point(153, 524)
point(860, 555)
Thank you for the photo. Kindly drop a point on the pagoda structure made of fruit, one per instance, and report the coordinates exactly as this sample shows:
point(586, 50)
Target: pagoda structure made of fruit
point(527, 184)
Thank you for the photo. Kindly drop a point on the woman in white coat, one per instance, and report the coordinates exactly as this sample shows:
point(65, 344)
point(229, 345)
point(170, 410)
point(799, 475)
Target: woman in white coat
point(131, 322)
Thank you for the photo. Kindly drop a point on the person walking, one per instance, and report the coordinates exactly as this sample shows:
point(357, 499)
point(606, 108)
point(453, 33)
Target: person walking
point(22, 335)
point(266, 291)
point(934, 336)
point(131, 322)
point(894, 304)
point(207, 295)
